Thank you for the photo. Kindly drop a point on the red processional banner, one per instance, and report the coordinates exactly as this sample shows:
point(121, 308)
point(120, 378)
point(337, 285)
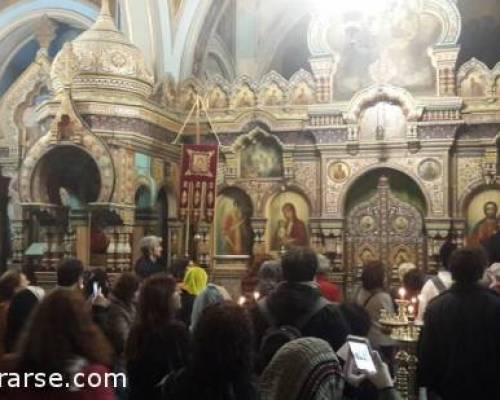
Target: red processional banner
point(198, 180)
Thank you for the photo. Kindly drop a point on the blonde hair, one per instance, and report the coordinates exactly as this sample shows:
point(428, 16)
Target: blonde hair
point(148, 244)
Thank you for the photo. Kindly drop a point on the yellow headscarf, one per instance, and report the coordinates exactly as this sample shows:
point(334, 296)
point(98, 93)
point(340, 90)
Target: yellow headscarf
point(195, 280)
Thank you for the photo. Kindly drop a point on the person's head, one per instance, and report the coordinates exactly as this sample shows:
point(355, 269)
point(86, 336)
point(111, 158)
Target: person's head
point(151, 247)
point(491, 209)
point(70, 273)
point(303, 368)
point(195, 280)
point(157, 300)
point(467, 265)
point(157, 305)
point(404, 268)
point(357, 317)
point(60, 330)
point(299, 264)
point(212, 294)
point(289, 211)
point(11, 282)
point(324, 266)
point(445, 252)
point(223, 343)
point(100, 278)
point(413, 281)
point(373, 275)
point(178, 268)
point(21, 306)
point(126, 287)
point(269, 276)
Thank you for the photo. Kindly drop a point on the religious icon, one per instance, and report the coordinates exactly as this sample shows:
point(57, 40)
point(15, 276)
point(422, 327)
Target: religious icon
point(261, 158)
point(338, 172)
point(366, 256)
point(400, 224)
point(291, 231)
point(367, 223)
point(233, 230)
point(429, 170)
point(485, 228)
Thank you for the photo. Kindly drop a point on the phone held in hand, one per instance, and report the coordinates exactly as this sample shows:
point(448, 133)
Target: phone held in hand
point(360, 353)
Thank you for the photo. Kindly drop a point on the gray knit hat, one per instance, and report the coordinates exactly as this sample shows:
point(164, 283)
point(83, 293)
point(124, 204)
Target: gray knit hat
point(303, 369)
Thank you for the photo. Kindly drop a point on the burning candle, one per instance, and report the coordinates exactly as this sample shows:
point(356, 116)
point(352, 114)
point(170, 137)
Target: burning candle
point(411, 310)
point(242, 300)
point(402, 293)
point(413, 300)
point(256, 295)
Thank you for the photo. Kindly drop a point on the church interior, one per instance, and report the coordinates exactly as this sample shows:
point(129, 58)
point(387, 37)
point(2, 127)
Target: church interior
point(232, 129)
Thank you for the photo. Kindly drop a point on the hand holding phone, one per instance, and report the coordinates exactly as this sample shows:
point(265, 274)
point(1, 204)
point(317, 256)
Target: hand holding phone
point(360, 353)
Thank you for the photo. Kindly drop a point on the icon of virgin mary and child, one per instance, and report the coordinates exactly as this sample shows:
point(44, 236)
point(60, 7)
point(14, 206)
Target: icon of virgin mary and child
point(291, 231)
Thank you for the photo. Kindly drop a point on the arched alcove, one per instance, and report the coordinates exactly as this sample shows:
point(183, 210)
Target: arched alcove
point(401, 185)
point(66, 175)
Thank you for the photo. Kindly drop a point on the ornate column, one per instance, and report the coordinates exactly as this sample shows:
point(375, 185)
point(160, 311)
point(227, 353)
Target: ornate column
point(323, 68)
point(444, 59)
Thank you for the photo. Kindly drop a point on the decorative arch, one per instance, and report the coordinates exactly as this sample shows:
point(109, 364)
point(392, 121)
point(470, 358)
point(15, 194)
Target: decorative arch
point(272, 89)
point(90, 144)
point(474, 65)
point(148, 183)
point(474, 188)
point(445, 10)
point(343, 196)
point(259, 154)
point(375, 94)
point(18, 94)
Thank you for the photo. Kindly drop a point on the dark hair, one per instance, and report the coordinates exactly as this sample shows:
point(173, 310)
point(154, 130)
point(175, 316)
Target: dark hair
point(178, 268)
point(357, 317)
point(414, 280)
point(373, 275)
point(447, 248)
point(9, 282)
point(223, 344)
point(99, 276)
point(467, 265)
point(69, 272)
point(299, 264)
point(125, 287)
point(60, 329)
point(155, 311)
point(20, 309)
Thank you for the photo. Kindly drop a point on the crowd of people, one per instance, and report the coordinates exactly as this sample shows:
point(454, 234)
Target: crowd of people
point(174, 335)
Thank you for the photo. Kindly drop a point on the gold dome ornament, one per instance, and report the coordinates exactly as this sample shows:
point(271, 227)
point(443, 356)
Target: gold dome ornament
point(107, 60)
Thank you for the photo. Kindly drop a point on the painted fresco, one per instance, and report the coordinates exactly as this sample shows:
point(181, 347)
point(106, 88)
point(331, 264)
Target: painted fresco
point(392, 46)
point(233, 232)
point(482, 217)
point(261, 158)
point(288, 217)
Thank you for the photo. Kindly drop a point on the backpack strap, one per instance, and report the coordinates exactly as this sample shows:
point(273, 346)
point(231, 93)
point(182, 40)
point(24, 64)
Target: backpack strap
point(371, 296)
point(439, 284)
point(321, 303)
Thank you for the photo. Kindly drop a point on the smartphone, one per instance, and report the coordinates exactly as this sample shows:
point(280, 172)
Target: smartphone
point(361, 353)
point(95, 289)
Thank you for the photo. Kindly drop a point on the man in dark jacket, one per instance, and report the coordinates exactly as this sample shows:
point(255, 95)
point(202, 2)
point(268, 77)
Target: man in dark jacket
point(296, 297)
point(459, 349)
